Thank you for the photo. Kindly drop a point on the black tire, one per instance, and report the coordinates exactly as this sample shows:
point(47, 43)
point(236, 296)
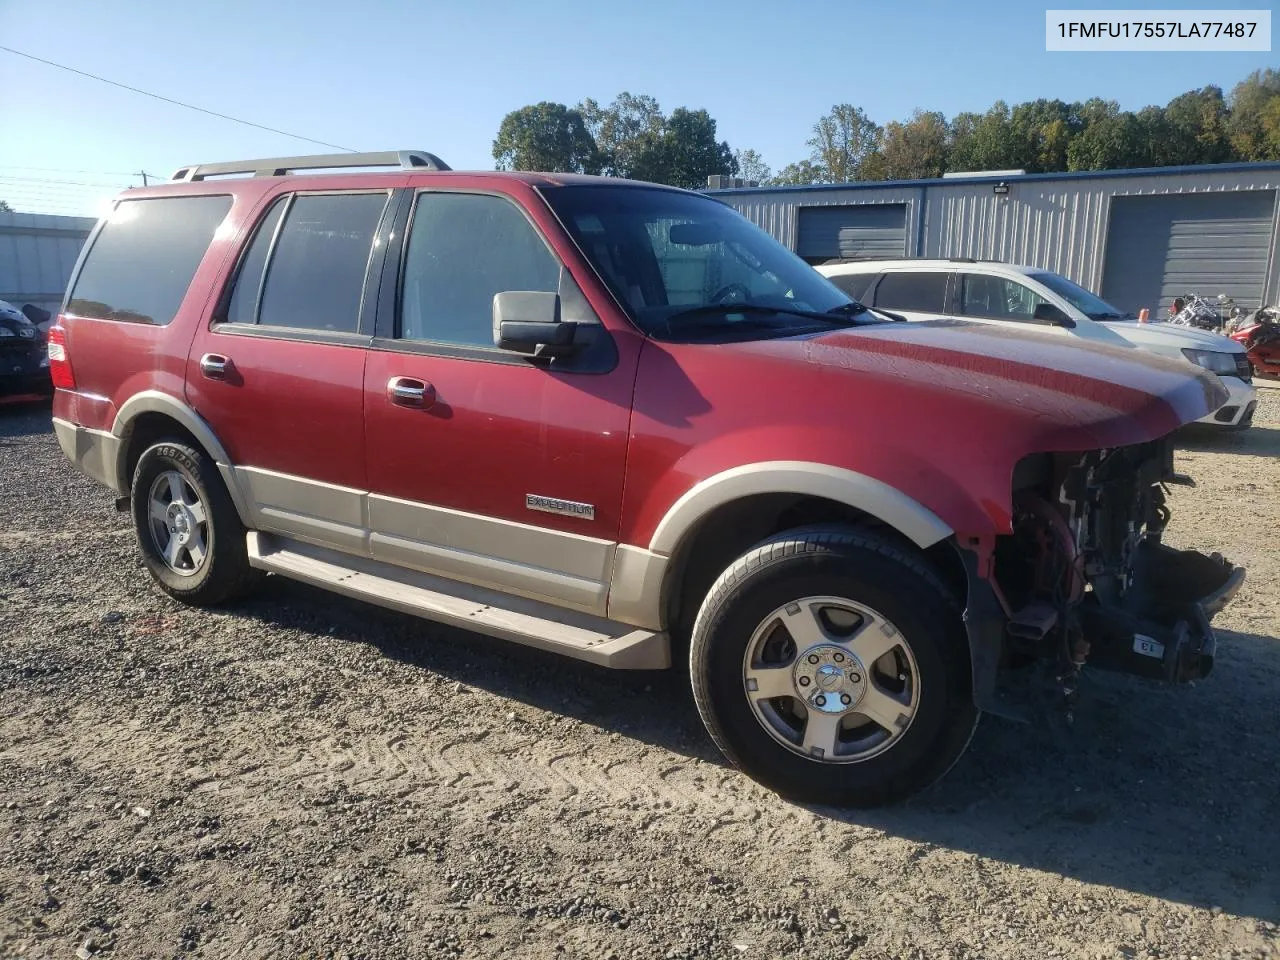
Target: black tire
point(896, 582)
point(225, 573)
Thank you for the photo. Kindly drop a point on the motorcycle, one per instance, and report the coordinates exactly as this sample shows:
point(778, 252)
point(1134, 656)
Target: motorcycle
point(1259, 334)
point(1202, 313)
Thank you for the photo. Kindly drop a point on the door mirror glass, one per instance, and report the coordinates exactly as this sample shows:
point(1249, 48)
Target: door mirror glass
point(528, 321)
point(1051, 314)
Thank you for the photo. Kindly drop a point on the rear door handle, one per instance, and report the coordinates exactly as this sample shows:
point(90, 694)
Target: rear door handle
point(215, 366)
point(410, 392)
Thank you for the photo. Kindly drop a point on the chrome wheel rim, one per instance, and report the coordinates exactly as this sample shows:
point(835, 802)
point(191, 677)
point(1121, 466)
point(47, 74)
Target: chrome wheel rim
point(831, 679)
point(178, 523)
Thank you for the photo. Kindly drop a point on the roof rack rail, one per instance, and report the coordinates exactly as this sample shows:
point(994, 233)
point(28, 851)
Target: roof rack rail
point(280, 166)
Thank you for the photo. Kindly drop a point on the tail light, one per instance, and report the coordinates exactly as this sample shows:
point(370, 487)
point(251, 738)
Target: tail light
point(59, 359)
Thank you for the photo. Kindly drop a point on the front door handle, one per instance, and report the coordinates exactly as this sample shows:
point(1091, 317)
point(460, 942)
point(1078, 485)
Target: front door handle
point(215, 366)
point(410, 392)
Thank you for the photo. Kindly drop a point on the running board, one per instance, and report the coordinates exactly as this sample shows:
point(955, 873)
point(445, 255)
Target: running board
point(530, 622)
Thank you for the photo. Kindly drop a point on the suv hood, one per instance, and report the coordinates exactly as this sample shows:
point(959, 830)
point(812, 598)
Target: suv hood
point(1066, 393)
point(1169, 339)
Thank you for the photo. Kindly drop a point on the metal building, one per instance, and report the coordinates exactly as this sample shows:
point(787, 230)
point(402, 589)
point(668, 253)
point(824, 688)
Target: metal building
point(1138, 237)
point(37, 254)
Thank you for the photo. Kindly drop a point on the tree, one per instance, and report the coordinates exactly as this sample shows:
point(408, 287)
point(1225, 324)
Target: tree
point(545, 136)
point(622, 129)
point(5, 208)
point(1198, 125)
point(916, 149)
point(799, 174)
point(842, 140)
point(1112, 142)
point(1253, 99)
point(685, 153)
point(1041, 131)
point(751, 166)
point(983, 142)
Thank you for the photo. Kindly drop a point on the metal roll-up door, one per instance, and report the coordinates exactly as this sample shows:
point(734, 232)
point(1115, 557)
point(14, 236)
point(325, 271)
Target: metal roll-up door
point(864, 230)
point(1167, 246)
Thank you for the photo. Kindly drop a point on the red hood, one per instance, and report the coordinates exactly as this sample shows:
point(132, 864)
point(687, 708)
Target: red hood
point(941, 411)
point(1093, 394)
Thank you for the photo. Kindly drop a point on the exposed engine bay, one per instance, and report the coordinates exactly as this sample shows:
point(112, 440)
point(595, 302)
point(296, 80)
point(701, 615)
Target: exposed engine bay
point(1085, 579)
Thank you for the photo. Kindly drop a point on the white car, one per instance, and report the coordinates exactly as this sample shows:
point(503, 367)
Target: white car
point(992, 292)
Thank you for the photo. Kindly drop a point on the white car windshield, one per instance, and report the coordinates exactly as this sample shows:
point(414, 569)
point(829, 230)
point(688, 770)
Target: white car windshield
point(1091, 305)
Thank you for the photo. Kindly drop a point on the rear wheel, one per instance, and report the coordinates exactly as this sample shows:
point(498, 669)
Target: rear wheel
point(188, 530)
point(832, 666)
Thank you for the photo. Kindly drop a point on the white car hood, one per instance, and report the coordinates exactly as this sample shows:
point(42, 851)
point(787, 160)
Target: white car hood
point(1169, 339)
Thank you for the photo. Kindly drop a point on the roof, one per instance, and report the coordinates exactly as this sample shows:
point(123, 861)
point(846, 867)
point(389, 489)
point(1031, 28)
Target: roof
point(922, 263)
point(1204, 168)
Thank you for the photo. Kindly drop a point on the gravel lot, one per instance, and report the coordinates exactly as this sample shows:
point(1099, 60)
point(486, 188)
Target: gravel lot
point(304, 776)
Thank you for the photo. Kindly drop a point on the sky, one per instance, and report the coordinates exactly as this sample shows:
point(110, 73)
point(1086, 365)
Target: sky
point(440, 76)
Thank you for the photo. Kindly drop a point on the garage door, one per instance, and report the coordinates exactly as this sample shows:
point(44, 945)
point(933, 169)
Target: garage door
point(865, 230)
point(1163, 247)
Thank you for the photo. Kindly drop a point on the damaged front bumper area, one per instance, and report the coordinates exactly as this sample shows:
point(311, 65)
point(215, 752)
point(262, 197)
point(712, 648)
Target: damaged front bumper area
point(1084, 579)
point(1161, 630)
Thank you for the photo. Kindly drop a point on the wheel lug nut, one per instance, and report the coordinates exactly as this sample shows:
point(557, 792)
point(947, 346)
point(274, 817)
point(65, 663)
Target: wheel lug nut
point(821, 700)
point(854, 678)
point(804, 681)
point(846, 699)
point(838, 658)
point(813, 658)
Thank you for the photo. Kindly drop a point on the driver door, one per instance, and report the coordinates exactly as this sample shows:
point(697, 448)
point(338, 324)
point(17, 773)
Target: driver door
point(484, 466)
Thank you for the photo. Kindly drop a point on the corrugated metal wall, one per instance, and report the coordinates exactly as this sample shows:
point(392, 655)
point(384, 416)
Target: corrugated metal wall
point(37, 254)
point(1058, 224)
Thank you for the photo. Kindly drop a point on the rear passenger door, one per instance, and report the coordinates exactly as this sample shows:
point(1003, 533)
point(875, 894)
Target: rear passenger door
point(279, 371)
point(915, 294)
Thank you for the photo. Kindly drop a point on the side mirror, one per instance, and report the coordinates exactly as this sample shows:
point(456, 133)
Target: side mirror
point(528, 321)
point(1052, 315)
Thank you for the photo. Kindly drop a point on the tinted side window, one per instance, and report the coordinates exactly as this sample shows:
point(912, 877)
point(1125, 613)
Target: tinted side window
point(144, 257)
point(463, 249)
point(997, 298)
point(923, 292)
point(244, 297)
point(854, 284)
point(315, 279)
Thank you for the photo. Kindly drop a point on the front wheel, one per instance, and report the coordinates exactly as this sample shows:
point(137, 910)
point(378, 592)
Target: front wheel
point(832, 666)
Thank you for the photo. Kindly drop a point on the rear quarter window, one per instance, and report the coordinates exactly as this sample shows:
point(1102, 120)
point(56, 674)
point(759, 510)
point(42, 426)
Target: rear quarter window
point(923, 291)
point(853, 284)
point(144, 257)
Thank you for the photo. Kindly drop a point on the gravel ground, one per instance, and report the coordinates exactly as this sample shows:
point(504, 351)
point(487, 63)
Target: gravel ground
point(304, 776)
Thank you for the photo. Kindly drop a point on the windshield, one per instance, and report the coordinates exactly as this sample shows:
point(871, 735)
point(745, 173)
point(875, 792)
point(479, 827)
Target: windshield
point(1093, 307)
point(680, 263)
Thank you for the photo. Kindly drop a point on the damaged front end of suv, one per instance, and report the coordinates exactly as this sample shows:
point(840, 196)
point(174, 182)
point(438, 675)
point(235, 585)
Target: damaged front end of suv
point(1085, 579)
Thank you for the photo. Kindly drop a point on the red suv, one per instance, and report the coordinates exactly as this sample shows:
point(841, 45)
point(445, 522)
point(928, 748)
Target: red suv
point(614, 420)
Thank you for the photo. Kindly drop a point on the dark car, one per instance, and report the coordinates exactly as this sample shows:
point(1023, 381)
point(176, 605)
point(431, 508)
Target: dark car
point(24, 358)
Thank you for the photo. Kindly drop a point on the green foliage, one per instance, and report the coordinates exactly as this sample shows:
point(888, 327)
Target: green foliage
point(916, 149)
point(545, 136)
point(632, 137)
point(842, 140)
point(5, 208)
point(751, 166)
point(800, 173)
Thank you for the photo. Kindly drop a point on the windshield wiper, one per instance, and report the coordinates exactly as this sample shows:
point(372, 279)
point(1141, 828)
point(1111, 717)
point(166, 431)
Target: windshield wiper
point(1111, 315)
point(706, 310)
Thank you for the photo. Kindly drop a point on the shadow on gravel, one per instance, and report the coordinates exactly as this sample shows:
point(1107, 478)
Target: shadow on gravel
point(1256, 441)
point(24, 419)
point(1170, 792)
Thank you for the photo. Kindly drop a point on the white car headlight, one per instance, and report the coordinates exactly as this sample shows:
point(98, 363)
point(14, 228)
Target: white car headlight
point(1213, 360)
